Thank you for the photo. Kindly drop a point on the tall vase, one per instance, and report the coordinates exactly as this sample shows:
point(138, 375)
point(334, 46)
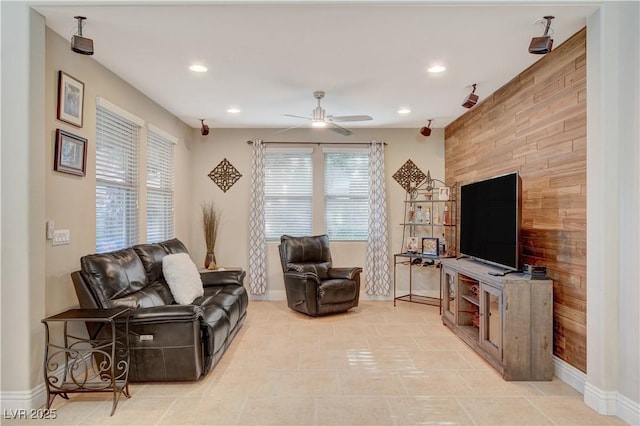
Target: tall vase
point(210, 261)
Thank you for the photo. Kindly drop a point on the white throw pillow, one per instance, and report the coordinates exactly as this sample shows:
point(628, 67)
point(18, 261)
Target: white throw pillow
point(183, 277)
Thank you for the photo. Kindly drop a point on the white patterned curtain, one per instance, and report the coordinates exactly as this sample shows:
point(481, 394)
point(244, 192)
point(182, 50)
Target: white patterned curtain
point(377, 272)
point(257, 246)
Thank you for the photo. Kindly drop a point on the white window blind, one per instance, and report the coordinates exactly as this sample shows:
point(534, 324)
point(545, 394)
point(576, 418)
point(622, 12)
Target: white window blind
point(288, 193)
point(160, 173)
point(346, 192)
point(116, 180)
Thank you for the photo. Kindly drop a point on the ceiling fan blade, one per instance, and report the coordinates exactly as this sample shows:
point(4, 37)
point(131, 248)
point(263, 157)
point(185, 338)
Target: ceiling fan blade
point(297, 116)
point(340, 118)
point(290, 128)
point(339, 129)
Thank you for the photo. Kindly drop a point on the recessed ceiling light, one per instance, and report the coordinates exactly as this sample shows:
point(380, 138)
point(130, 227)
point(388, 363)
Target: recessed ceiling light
point(198, 68)
point(404, 111)
point(436, 69)
point(233, 110)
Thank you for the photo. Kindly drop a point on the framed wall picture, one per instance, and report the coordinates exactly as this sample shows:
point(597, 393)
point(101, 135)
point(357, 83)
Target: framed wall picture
point(430, 246)
point(443, 193)
point(70, 99)
point(70, 153)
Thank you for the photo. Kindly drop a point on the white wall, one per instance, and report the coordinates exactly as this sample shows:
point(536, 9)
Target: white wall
point(613, 211)
point(23, 257)
point(231, 247)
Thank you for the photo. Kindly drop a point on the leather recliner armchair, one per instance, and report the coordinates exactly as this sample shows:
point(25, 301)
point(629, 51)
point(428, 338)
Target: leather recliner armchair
point(313, 286)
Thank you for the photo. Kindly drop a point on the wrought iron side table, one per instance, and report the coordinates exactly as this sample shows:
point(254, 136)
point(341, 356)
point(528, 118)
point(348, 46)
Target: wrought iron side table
point(98, 363)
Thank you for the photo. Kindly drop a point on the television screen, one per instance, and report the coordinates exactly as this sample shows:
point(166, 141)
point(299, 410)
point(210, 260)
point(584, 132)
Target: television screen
point(490, 220)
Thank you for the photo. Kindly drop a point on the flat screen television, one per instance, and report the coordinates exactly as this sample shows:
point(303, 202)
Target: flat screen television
point(490, 212)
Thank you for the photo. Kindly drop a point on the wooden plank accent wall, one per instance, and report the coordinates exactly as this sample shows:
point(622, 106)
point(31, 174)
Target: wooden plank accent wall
point(536, 124)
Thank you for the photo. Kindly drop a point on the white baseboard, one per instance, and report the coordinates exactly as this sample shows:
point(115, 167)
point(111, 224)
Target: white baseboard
point(365, 296)
point(269, 295)
point(628, 410)
point(611, 403)
point(277, 295)
point(32, 399)
point(23, 400)
point(569, 374)
point(608, 403)
point(604, 402)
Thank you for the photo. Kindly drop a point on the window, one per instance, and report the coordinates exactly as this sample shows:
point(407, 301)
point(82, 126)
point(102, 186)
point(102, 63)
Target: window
point(289, 198)
point(160, 165)
point(288, 193)
point(346, 194)
point(117, 134)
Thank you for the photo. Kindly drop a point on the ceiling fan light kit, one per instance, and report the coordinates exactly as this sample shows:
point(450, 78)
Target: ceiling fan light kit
point(472, 99)
point(320, 119)
point(542, 45)
point(317, 119)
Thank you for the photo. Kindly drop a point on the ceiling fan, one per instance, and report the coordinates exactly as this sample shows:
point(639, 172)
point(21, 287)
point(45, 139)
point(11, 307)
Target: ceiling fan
point(319, 119)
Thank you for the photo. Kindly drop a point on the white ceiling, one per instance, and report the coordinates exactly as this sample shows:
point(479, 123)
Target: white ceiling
point(267, 58)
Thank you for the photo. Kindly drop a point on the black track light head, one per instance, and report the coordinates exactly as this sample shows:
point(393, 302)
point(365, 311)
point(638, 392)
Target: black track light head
point(205, 129)
point(79, 44)
point(542, 45)
point(472, 99)
point(426, 130)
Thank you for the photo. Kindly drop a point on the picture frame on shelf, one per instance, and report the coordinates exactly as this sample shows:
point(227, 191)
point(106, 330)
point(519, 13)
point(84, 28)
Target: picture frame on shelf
point(70, 154)
point(412, 245)
point(430, 246)
point(443, 193)
point(70, 99)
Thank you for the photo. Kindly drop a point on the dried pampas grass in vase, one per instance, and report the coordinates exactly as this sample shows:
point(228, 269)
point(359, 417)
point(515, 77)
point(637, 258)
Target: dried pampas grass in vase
point(210, 222)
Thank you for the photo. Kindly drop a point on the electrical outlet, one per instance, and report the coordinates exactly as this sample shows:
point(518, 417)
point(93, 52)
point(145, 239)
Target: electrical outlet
point(61, 236)
point(51, 227)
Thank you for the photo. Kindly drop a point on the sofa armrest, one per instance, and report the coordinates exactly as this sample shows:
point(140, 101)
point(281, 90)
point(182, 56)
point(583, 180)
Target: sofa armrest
point(347, 273)
point(302, 291)
point(302, 277)
point(167, 313)
point(212, 278)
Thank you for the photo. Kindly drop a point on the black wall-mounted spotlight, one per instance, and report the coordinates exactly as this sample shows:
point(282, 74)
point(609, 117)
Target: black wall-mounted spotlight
point(426, 130)
point(205, 129)
point(79, 44)
point(542, 45)
point(472, 99)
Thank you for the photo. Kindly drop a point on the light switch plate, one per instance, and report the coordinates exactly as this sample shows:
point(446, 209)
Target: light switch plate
point(61, 236)
point(51, 227)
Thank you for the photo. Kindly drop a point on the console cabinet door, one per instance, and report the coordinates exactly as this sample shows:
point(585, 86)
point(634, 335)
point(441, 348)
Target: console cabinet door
point(449, 282)
point(491, 320)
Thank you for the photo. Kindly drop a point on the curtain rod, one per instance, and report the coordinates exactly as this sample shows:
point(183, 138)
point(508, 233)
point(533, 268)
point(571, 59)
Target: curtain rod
point(316, 143)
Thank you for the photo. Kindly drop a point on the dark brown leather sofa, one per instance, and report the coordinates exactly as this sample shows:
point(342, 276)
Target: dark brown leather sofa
point(313, 286)
point(168, 341)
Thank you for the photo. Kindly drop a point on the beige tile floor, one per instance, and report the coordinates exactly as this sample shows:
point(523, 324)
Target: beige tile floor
point(376, 365)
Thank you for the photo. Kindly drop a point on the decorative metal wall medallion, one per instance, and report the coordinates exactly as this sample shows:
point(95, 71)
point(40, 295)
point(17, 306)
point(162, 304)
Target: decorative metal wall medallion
point(225, 175)
point(409, 175)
